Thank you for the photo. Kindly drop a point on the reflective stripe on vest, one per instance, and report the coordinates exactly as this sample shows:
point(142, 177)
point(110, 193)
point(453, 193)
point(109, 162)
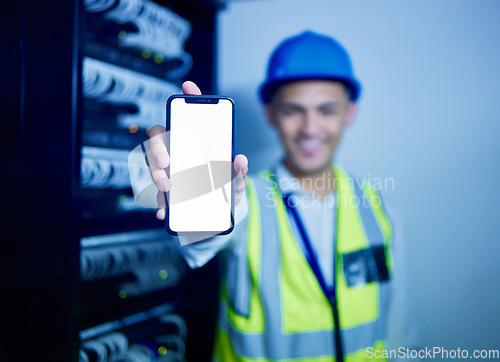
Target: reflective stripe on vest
point(283, 314)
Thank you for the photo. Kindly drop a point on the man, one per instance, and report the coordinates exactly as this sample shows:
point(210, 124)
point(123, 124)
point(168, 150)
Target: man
point(309, 269)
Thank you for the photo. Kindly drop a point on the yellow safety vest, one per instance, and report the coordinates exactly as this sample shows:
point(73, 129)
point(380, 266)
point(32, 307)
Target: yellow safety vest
point(272, 307)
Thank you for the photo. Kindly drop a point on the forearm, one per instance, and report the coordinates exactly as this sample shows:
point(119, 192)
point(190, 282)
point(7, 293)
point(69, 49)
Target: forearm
point(199, 253)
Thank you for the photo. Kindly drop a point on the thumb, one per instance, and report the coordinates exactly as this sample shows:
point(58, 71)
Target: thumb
point(191, 88)
point(241, 164)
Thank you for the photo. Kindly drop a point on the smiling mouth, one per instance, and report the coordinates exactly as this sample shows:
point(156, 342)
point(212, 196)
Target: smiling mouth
point(310, 147)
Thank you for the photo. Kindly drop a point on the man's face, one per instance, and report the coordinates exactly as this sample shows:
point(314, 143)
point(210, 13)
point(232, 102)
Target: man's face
point(310, 117)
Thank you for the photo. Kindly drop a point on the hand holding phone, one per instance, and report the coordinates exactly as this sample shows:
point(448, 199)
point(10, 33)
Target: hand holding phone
point(159, 159)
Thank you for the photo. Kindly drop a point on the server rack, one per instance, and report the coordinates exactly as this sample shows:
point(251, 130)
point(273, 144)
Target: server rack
point(69, 242)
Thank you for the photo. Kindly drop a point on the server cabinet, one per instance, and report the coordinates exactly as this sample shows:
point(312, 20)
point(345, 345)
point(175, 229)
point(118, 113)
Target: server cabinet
point(82, 266)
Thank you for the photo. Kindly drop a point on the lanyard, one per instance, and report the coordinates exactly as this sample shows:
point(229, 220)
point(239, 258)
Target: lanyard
point(310, 254)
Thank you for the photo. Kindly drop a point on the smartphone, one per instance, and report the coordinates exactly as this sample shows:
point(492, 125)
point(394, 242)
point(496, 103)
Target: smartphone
point(200, 142)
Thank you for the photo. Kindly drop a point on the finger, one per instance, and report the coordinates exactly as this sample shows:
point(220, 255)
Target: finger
point(160, 213)
point(160, 199)
point(241, 169)
point(241, 185)
point(240, 190)
point(155, 130)
point(241, 164)
point(191, 88)
point(158, 174)
point(157, 138)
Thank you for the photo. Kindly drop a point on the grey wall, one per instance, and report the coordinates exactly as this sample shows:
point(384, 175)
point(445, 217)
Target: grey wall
point(428, 117)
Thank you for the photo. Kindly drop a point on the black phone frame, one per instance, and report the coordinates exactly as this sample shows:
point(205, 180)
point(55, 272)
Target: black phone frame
point(200, 99)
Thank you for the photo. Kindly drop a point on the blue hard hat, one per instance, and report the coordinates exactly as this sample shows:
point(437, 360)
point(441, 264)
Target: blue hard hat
point(309, 56)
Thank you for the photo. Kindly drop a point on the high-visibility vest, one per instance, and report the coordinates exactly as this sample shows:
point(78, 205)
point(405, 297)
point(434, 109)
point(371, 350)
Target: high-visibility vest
point(272, 307)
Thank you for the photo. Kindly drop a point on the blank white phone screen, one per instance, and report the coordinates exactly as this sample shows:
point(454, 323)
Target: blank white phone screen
point(200, 166)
